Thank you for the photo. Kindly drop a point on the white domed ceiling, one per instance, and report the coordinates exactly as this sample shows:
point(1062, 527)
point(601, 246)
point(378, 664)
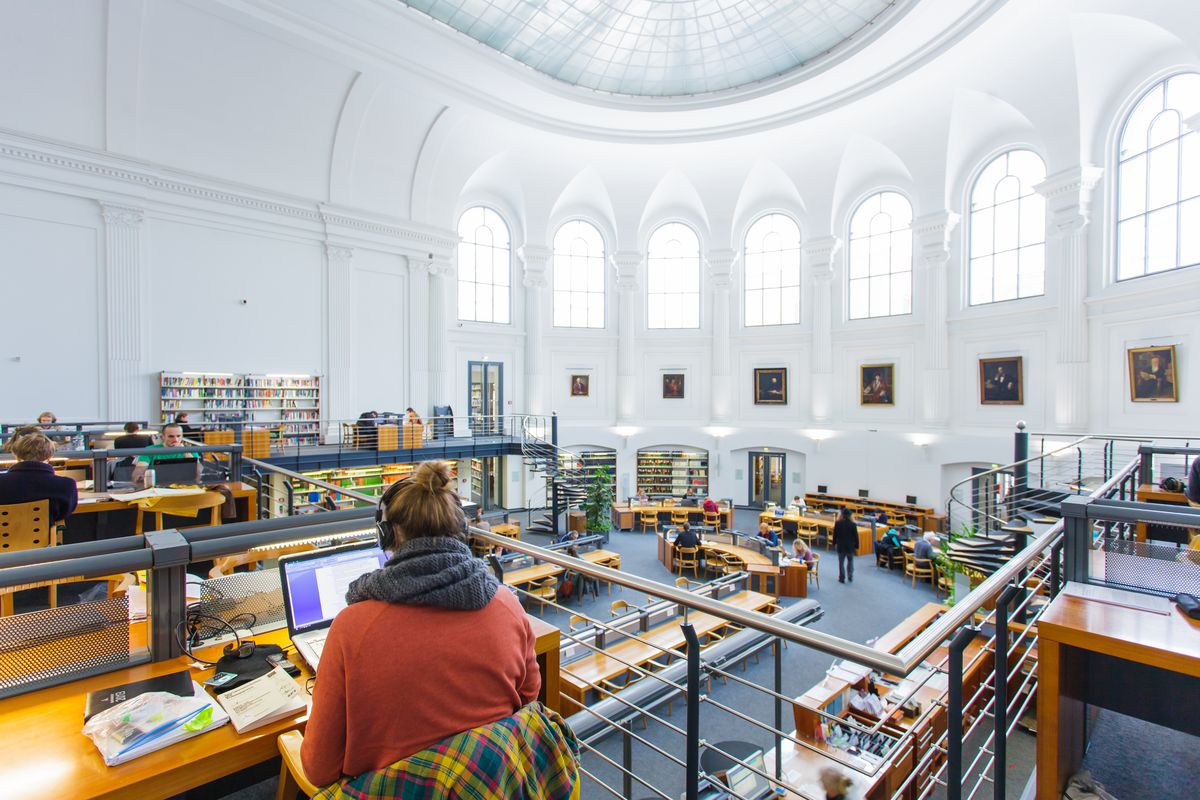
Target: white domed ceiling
point(665, 48)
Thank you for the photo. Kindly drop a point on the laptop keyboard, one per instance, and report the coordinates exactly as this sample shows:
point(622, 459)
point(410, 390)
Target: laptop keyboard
point(317, 643)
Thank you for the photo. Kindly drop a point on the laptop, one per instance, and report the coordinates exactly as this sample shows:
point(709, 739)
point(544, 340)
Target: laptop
point(747, 783)
point(314, 591)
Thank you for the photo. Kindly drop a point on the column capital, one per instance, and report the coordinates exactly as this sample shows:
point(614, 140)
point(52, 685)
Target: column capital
point(535, 258)
point(627, 263)
point(931, 233)
point(127, 216)
point(1069, 196)
point(720, 267)
point(440, 266)
point(818, 254)
point(338, 253)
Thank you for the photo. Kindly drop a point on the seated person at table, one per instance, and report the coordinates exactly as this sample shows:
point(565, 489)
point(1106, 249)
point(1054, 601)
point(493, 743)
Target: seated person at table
point(803, 552)
point(132, 439)
point(767, 535)
point(172, 436)
point(710, 506)
point(923, 549)
point(17, 434)
point(427, 647)
point(1192, 493)
point(32, 478)
point(866, 703)
point(881, 517)
point(687, 537)
point(190, 431)
point(888, 544)
point(797, 506)
point(47, 421)
point(478, 521)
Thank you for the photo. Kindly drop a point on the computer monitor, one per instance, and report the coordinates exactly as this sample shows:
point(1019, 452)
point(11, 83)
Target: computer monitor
point(314, 584)
point(822, 489)
point(864, 493)
point(175, 470)
point(745, 782)
point(911, 499)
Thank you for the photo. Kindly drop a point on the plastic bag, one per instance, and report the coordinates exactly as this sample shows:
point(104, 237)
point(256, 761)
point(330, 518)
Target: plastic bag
point(148, 722)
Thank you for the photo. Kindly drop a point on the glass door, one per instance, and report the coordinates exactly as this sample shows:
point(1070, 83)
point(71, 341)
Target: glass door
point(766, 479)
point(485, 397)
point(487, 488)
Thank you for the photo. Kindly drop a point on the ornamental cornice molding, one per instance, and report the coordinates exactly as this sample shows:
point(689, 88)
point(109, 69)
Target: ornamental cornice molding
point(1074, 182)
point(932, 233)
point(126, 216)
point(338, 253)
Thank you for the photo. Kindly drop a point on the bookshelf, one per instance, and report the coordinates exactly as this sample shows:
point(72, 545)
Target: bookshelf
point(289, 405)
point(672, 472)
point(591, 459)
point(372, 480)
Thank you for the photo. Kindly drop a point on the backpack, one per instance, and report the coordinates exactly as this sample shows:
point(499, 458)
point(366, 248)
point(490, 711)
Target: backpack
point(566, 588)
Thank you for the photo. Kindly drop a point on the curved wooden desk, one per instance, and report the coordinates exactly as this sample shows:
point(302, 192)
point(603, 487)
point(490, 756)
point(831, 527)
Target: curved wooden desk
point(866, 544)
point(625, 517)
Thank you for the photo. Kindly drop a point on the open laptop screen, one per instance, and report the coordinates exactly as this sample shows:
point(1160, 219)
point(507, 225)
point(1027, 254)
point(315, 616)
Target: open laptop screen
point(315, 584)
point(745, 782)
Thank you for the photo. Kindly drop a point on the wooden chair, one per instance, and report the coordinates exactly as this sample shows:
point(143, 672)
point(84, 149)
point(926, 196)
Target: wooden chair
point(688, 558)
point(679, 516)
point(732, 564)
point(618, 608)
point(814, 572)
point(808, 531)
point(225, 565)
point(683, 583)
point(712, 519)
point(291, 772)
point(26, 526)
point(918, 568)
point(648, 521)
point(714, 562)
point(194, 503)
point(577, 619)
point(944, 582)
point(896, 520)
point(546, 591)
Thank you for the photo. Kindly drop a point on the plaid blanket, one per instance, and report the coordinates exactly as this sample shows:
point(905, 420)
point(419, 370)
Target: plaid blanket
point(532, 755)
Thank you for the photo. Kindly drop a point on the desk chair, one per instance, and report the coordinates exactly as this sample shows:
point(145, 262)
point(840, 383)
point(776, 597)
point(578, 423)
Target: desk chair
point(683, 583)
point(712, 519)
point(814, 572)
point(679, 516)
point(944, 583)
point(918, 568)
point(225, 565)
point(577, 619)
point(26, 526)
point(184, 504)
point(688, 558)
point(619, 607)
point(896, 520)
point(648, 521)
point(733, 564)
point(715, 562)
point(546, 591)
point(807, 531)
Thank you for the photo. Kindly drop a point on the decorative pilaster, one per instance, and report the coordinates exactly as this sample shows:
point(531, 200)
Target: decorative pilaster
point(124, 310)
point(931, 234)
point(441, 278)
point(339, 386)
point(818, 255)
point(1068, 207)
point(417, 328)
point(720, 273)
point(536, 258)
point(627, 264)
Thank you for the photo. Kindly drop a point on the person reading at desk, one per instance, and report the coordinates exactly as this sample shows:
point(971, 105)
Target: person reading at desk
point(132, 440)
point(428, 647)
point(767, 535)
point(32, 478)
point(923, 549)
point(172, 436)
point(803, 552)
point(866, 703)
point(710, 506)
point(687, 537)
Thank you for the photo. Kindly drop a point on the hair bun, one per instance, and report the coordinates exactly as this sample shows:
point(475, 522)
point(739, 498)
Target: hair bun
point(432, 476)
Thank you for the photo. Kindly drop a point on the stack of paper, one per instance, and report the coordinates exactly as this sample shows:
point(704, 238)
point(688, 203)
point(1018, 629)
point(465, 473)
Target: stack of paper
point(151, 722)
point(263, 700)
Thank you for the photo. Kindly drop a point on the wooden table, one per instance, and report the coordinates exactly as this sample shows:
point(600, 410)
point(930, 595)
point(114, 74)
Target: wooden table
point(1150, 493)
point(582, 674)
point(626, 518)
point(539, 572)
point(791, 579)
point(46, 755)
point(103, 515)
point(927, 518)
point(510, 529)
point(666, 552)
point(1133, 661)
point(866, 541)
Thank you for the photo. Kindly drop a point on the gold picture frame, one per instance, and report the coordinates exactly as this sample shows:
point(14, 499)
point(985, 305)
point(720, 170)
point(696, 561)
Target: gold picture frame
point(1002, 381)
point(580, 385)
point(770, 386)
point(1152, 377)
point(877, 384)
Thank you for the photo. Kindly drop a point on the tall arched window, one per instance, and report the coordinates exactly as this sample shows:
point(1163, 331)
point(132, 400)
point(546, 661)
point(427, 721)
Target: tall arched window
point(1158, 181)
point(484, 267)
point(578, 276)
point(880, 255)
point(1008, 229)
point(673, 277)
point(773, 271)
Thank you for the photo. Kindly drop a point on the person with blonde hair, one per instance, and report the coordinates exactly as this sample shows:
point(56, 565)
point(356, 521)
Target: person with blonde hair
point(18, 433)
point(32, 478)
point(429, 647)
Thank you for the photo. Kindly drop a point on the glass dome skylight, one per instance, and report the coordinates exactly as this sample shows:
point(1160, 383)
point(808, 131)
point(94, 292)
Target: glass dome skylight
point(659, 48)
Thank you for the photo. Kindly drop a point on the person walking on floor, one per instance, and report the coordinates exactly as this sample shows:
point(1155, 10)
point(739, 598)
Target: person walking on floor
point(845, 541)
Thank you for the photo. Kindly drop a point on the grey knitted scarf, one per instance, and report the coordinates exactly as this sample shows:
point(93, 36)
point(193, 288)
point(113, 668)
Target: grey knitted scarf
point(429, 571)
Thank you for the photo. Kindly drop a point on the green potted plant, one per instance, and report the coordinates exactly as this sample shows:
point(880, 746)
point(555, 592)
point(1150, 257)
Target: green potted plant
point(597, 503)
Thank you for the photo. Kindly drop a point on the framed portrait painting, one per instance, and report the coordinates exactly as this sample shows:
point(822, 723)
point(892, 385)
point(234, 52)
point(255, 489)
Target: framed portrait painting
point(770, 386)
point(1152, 375)
point(877, 383)
point(580, 385)
point(1001, 382)
point(672, 385)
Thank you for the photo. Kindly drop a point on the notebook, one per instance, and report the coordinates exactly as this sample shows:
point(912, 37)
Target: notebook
point(314, 591)
point(178, 683)
point(262, 701)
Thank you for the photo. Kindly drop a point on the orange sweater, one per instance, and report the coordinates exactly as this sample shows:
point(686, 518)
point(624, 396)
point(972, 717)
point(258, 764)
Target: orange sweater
point(396, 679)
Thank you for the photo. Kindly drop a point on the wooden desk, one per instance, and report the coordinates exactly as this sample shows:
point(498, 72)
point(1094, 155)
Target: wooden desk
point(927, 518)
point(791, 580)
point(1120, 658)
point(666, 552)
point(866, 544)
point(46, 756)
point(539, 572)
point(1150, 493)
point(105, 516)
point(510, 529)
point(625, 518)
point(580, 675)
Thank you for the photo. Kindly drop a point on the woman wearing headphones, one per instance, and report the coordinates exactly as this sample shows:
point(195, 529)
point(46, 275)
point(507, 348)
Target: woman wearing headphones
point(429, 646)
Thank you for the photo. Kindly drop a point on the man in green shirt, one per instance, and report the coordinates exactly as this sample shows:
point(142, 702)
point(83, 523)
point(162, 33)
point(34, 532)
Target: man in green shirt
point(172, 436)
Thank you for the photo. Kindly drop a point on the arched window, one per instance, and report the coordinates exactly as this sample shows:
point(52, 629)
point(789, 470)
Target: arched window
point(880, 255)
point(673, 277)
point(484, 266)
point(1158, 181)
point(773, 271)
point(578, 276)
point(1008, 229)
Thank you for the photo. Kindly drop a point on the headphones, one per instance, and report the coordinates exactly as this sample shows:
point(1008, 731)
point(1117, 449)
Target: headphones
point(199, 626)
point(384, 535)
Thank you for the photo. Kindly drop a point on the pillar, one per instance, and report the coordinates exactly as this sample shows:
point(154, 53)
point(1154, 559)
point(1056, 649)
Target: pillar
point(125, 396)
point(536, 258)
point(720, 272)
point(931, 234)
point(627, 264)
point(818, 255)
point(338, 391)
point(1068, 208)
point(441, 282)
